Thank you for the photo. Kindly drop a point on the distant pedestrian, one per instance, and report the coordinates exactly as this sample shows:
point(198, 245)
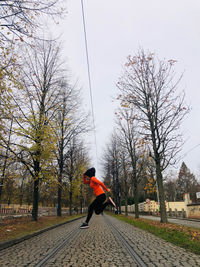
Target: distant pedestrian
point(99, 204)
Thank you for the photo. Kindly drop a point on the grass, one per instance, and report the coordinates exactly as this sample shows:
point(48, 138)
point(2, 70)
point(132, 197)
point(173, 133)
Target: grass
point(16, 228)
point(182, 236)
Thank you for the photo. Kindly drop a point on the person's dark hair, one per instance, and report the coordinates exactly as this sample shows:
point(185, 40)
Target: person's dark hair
point(90, 172)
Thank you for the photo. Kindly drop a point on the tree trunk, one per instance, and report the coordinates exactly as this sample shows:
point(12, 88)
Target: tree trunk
point(21, 199)
point(81, 198)
point(136, 198)
point(5, 162)
point(81, 206)
point(59, 211)
point(61, 164)
point(126, 199)
point(28, 196)
point(70, 202)
point(120, 210)
point(159, 178)
point(117, 190)
point(59, 207)
point(3, 175)
point(70, 196)
point(126, 206)
point(135, 180)
point(21, 193)
point(35, 200)
point(1, 187)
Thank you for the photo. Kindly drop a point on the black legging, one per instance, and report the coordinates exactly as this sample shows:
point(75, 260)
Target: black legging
point(97, 205)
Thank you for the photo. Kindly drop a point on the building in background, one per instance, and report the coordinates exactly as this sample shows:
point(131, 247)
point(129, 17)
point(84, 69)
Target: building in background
point(184, 209)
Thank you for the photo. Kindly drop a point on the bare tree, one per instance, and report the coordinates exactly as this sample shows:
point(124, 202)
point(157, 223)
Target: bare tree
point(73, 167)
point(125, 177)
point(130, 140)
point(81, 163)
point(170, 190)
point(5, 157)
point(111, 163)
point(33, 141)
point(9, 73)
point(70, 123)
point(21, 18)
point(149, 84)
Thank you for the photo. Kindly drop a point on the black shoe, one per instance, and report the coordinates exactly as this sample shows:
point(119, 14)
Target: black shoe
point(84, 225)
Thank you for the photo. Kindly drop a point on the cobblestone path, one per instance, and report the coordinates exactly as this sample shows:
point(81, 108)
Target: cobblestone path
point(96, 246)
point(155, 251)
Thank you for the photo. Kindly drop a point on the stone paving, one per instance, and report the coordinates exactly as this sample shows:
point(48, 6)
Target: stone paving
point(97, 246)
point(29, 252)
point(155, 251)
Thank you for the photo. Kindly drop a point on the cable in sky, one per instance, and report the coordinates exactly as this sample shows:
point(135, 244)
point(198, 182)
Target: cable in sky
point(88, 69)
point(185, 154)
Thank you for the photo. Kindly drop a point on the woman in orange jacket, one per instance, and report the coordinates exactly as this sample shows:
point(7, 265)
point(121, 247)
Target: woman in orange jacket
point(99, 204)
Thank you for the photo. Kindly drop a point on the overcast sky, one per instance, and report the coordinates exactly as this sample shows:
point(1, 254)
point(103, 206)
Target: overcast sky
point(116, 29)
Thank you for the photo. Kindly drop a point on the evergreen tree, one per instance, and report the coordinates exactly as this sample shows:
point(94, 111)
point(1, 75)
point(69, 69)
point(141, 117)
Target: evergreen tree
point(186, 183)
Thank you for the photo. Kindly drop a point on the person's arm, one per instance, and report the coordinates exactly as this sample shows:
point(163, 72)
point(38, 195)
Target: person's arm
point(85, 181)
point(95, 180)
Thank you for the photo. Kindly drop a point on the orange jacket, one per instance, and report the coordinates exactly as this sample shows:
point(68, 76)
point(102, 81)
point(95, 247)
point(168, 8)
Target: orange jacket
point(96, 185)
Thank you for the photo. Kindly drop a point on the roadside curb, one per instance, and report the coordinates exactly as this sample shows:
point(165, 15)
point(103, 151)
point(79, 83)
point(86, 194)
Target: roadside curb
point(175, 218)
point(7, 244)
point(184, 219)
point(178, 218)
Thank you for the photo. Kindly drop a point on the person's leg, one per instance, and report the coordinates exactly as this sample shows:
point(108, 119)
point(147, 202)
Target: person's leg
point(100, 205)
point(90, 210)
